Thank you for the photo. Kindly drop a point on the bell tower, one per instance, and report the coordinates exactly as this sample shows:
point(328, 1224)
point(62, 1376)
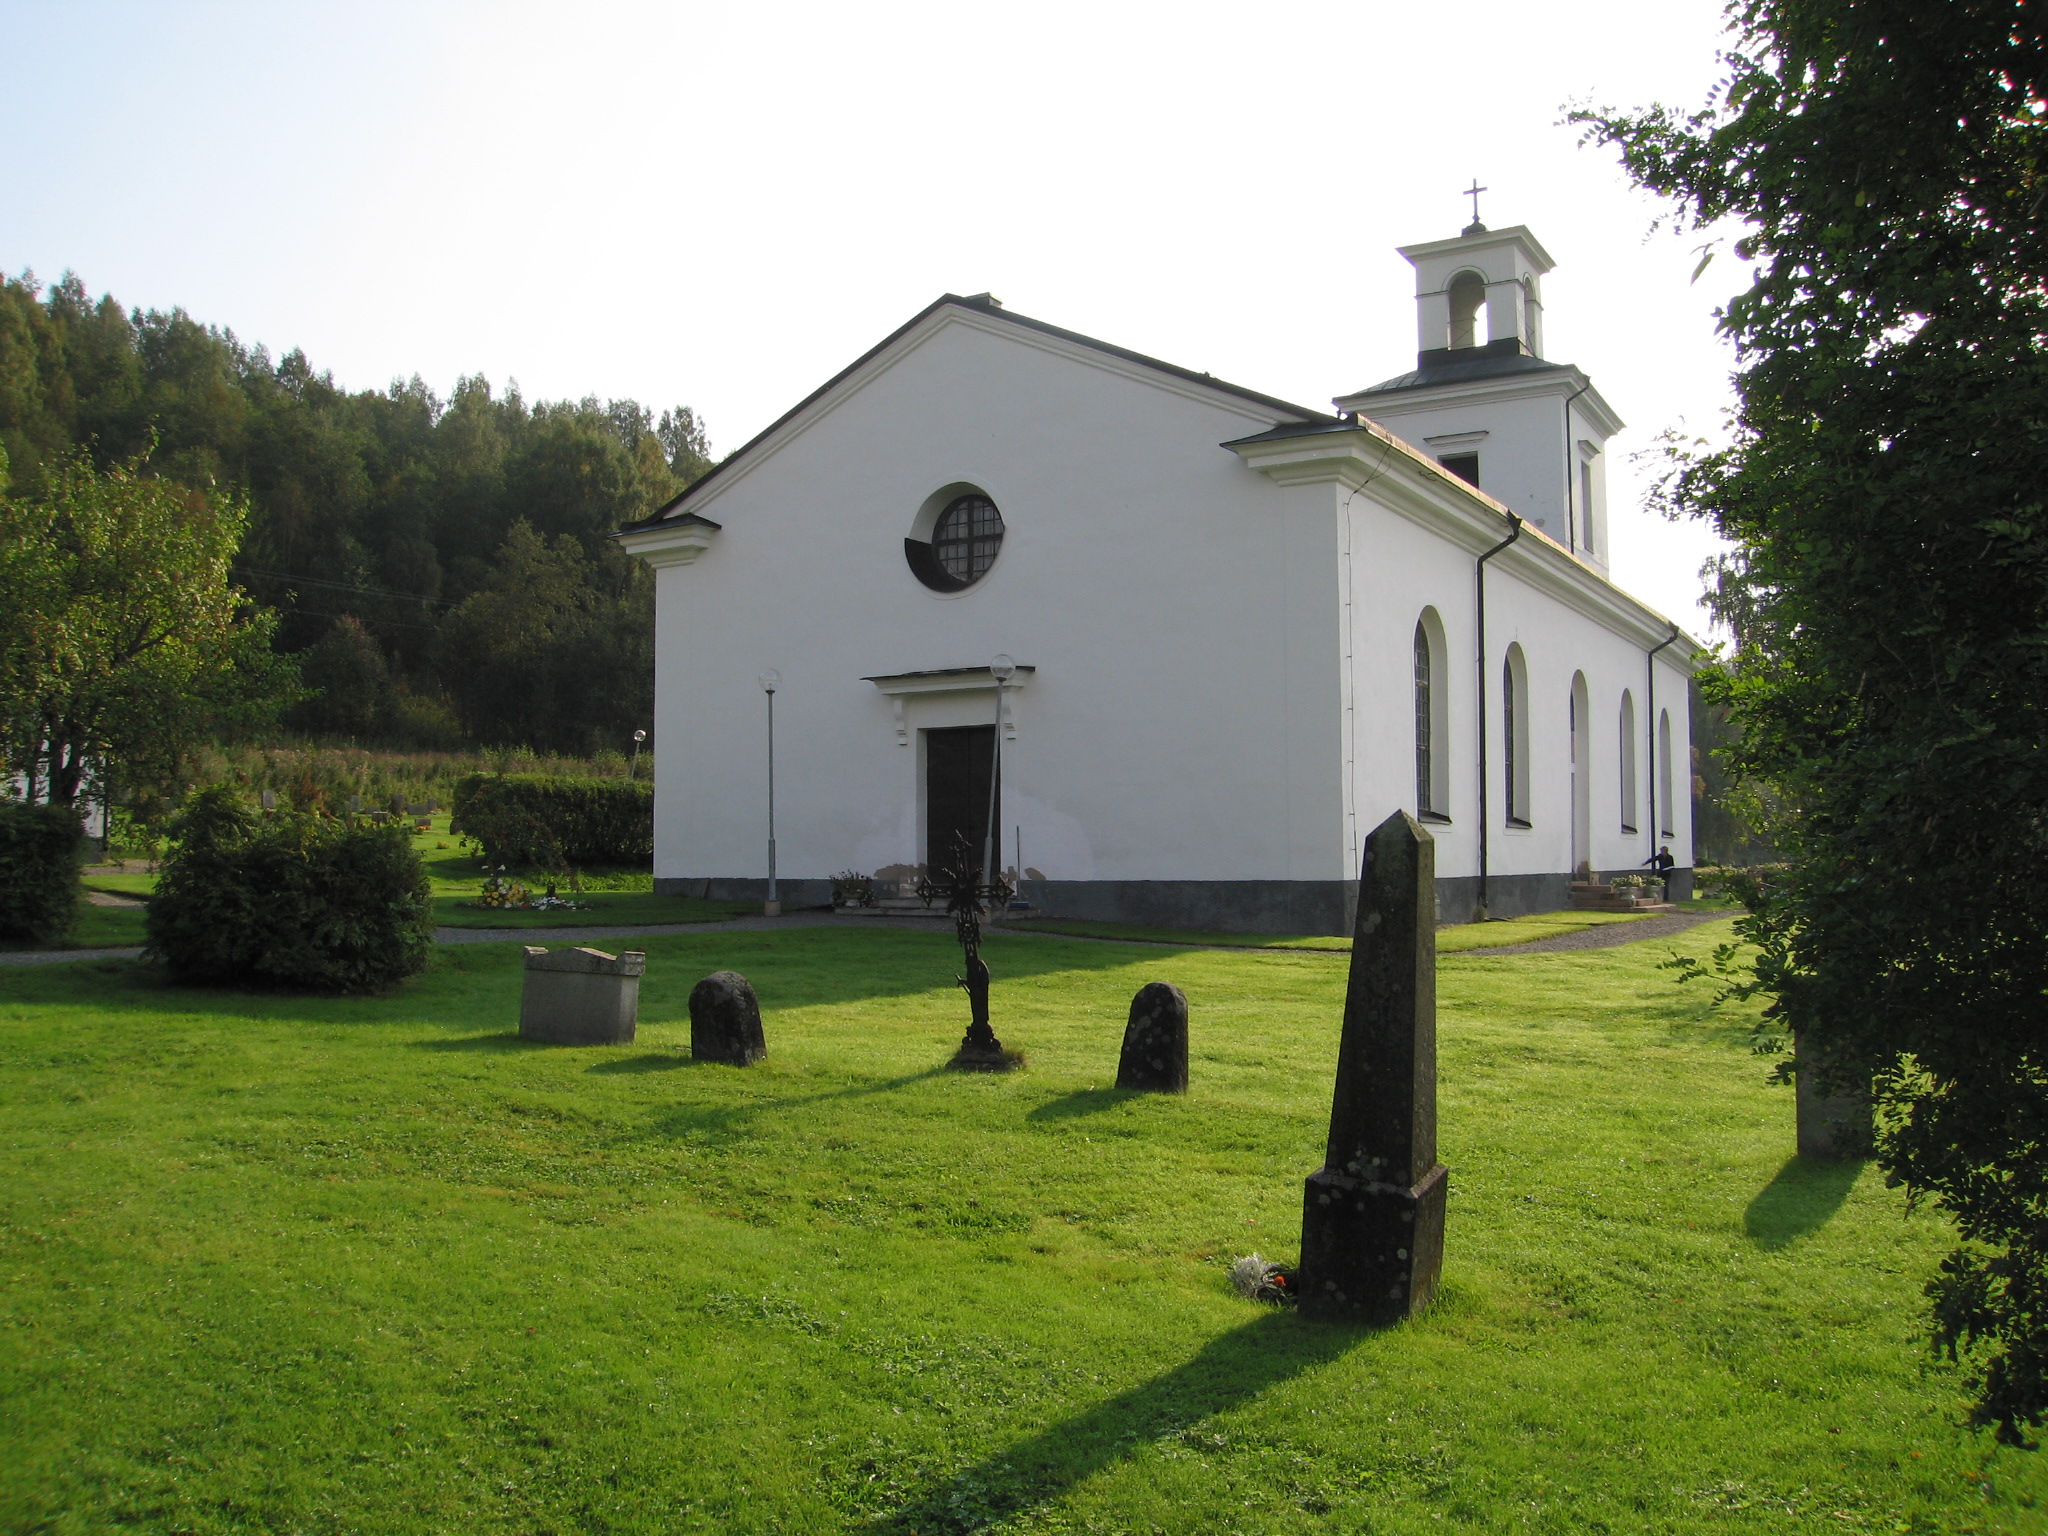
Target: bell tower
point(1483, 400)
point(1479, 294)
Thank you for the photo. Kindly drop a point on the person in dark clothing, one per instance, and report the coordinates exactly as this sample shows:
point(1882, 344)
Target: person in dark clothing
point(1663, 863)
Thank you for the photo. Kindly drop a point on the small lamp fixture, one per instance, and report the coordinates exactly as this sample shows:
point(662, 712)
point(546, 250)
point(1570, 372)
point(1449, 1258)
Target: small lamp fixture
point(1003, 668)
point(770, 680)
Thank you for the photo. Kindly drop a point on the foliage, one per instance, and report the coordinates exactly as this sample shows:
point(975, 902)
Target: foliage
point(536, 821)
point(556, 650)
point(308, 774)
point(424, 1277)
point(381, 509)
point(850, 888)
point(289, 899)
point(1732, 816)
point(501, 892)
point(1884, 489)
point(38, 871)
point(126, 640)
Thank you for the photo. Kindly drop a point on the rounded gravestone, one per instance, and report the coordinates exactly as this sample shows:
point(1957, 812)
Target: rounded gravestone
point(1155, 1058)
point(725, 1020)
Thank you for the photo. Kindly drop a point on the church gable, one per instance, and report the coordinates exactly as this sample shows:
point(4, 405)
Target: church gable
point(938, 330)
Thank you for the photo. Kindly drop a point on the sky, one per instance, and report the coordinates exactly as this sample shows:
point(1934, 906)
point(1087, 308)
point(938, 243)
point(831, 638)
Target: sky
point(720, 206)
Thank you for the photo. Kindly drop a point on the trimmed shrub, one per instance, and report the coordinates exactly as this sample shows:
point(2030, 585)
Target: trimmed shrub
point(534, 821)
point(289, 899)
point(38, 871)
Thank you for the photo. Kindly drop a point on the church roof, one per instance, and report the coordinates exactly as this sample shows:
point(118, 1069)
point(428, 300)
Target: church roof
point(1435, 370)
point(985, 304)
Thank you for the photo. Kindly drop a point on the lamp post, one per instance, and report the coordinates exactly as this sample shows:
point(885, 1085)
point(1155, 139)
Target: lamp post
point(770, 681)
point(1002, 669)
point(633, 768)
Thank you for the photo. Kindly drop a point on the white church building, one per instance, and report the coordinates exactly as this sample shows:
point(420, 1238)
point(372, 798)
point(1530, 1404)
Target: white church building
point(1243, 632)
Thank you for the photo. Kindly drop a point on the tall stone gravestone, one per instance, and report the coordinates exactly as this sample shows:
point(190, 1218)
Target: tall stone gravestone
point(1832, 1104)
point(1372, 1226)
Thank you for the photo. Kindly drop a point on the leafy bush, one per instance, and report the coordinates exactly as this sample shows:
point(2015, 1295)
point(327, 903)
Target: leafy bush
point(38, 871)
point(289, 899)
point(536, 821)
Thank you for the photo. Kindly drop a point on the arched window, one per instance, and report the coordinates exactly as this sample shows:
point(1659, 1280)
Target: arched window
point(1666, 816)
point(1514, 734)
point(1432, 776)
point(1468, 298)
point(1628, 761)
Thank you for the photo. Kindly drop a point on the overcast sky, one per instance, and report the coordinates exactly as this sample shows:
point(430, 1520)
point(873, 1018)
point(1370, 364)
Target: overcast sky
point(722, 205)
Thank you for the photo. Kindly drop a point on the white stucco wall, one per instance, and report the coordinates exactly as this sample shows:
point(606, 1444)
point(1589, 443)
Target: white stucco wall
point(1183, 677)
point(1222, 686)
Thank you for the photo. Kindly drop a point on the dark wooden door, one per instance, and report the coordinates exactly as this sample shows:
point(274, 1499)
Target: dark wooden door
point(958, 765)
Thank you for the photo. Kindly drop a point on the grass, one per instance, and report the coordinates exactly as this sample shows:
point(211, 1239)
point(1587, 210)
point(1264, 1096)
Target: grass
point(1451, 939)
point(291, 1264)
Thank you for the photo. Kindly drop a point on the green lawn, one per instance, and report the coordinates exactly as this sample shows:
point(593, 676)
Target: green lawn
point(1449, 940)
point(601, 908)
point(290, 1264)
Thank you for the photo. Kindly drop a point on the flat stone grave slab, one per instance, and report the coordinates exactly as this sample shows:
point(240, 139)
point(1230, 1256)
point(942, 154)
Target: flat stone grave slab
point(581, 996)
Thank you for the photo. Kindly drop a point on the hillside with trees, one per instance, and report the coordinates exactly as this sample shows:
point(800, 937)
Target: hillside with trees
point(439, 567)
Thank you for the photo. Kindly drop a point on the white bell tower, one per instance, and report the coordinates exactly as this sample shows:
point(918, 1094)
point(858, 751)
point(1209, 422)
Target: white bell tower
point(1485, 403)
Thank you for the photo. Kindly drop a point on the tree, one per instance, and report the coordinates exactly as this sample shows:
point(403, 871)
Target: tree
point(556, 650)
point(1884, 489)
point(349, 682)
point(125, 640)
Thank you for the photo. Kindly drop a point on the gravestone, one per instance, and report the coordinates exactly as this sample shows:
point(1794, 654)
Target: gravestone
point(725, 1020)
point(581, 996)
point(268, 799)
point(1155, 1056)
point(1832, 1106)
point(1372, 1225)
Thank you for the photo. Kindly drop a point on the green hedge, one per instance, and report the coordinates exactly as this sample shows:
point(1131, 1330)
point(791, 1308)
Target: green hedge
point(533, 821)
point(289, 899)
point(38, 871)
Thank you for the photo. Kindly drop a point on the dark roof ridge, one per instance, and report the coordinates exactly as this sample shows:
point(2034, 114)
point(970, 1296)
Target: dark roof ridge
point(984, 304)
point(1462, 371)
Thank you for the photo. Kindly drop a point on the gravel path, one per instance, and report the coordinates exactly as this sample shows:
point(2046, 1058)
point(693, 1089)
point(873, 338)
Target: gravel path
point(1606, 936)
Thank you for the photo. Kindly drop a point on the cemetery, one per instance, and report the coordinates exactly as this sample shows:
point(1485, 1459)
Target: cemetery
point(1368, 989)
point(697, 1231)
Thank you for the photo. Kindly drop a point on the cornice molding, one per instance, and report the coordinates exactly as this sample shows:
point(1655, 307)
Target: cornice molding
point(679, 541)
point(1564, 384)
point(948, 680)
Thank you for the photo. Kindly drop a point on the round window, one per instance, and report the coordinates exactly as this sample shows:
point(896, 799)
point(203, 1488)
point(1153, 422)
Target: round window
point(965, 539)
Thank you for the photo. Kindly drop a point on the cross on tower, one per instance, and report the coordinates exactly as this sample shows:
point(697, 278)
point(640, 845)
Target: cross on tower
point(1473, 192)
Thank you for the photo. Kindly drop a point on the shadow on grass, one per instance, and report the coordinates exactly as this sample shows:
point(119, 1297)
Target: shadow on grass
point(735, 1121)
point(1802, 1197)
point(649, 1063)
point(473, 985)
point(1014, 1483)
point(1083, 1101)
